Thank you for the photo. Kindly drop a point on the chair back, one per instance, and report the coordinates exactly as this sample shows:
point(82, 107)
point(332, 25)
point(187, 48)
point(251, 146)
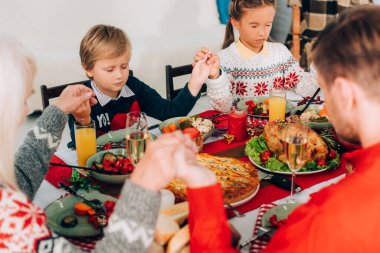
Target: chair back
point(171, 73)
point(53, 92)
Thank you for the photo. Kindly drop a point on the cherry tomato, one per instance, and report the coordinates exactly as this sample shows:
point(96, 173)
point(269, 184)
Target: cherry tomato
point(107, 146)
point(332, 154)
point(192, 132)
point(321, 163)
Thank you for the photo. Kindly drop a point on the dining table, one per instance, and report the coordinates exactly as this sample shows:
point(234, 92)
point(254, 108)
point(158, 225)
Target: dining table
point(268, 194)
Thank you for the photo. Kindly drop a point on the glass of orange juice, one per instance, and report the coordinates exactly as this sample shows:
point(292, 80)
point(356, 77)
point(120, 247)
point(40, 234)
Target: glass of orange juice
point(85, 139)
point(277, 104)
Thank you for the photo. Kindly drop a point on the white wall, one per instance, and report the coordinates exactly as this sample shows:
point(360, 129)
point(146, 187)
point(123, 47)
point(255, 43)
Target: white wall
point(162, 32)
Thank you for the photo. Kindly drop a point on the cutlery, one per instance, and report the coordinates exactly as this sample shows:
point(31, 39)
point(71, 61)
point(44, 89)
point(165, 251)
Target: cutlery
point(235, 211)
point(87, 168)
point(113, 145)
point(96, 204)
point(260, 233)
point(299, 112)
point(213, 116)
point(282, 181)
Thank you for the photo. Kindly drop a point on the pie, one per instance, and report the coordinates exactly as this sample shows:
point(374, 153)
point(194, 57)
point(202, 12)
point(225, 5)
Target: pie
point(238, 179)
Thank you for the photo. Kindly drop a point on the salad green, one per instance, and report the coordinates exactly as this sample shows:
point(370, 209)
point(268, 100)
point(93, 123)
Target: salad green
point(257, 145)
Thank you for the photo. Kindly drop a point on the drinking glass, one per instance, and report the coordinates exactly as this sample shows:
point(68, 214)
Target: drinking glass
point(277, 104)
point(85, 141)
point(295, 144)
point(137, 136)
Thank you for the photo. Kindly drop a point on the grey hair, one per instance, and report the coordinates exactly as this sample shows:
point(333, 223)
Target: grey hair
point(17, 69)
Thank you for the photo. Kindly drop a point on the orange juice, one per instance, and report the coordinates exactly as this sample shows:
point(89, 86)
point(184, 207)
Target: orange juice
point(85, 139)
point(277, 106)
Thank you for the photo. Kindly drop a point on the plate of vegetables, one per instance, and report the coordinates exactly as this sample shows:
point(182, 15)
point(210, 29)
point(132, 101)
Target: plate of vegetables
point(315, 115)
point(258, 107)
point(69, 216)
point(115, 164)
point(266, 152)
point(205, 126)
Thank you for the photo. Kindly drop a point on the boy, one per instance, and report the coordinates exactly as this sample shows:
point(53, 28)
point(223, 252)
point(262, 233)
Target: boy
point(105, 53)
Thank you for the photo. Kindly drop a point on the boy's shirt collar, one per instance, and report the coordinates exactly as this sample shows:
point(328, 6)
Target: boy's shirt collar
point(247, 53)
point(104, 99)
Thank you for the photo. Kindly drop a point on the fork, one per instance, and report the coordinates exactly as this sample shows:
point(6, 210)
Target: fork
point(260, 233)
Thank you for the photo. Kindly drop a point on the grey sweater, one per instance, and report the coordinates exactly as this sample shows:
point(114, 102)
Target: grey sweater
point(131, 226)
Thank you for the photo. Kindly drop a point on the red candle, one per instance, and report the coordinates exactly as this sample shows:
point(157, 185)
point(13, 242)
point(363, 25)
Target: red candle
point(237, 125)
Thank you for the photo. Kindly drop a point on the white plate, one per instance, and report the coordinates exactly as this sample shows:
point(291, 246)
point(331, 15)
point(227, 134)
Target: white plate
point(243, 201)
point(284, 172)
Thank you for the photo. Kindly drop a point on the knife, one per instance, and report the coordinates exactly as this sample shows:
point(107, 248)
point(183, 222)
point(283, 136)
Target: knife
point(96, 204)
point(283, 182)
point(260, 233)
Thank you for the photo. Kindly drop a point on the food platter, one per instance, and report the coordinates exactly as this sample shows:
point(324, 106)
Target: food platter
point(57, 210)
point(260, 99)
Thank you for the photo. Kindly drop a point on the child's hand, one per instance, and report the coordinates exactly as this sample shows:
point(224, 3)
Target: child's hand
point(201, 71)
point(83, 113)
point(212, 59)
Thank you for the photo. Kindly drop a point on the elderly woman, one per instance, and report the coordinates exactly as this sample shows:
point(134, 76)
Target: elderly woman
point(131, 227)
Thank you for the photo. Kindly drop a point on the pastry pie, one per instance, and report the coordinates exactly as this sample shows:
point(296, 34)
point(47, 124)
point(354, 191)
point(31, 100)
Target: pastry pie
point(237, 178)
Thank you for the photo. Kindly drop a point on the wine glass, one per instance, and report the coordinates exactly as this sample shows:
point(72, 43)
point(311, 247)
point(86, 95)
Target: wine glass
point(295, 144)
point(137, 135)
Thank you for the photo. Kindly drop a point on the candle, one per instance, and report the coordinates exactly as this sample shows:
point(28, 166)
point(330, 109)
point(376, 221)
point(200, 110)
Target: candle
point(237, 125)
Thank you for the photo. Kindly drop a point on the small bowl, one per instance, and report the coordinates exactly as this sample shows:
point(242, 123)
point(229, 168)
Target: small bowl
point(107, 178)
point(313, 125)
point(175, 120)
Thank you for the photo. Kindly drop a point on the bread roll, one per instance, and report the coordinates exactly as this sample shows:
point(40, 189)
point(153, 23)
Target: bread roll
point(166, 227)
point(167, 199)
point(155, 248)
point(179, 212)
point(179, 240)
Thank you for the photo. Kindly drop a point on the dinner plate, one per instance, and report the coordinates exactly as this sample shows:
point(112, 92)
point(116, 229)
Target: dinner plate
point(281, 211)
point(260, 99)
point(285, 172)
point(248, 198)
point(115, 136)
point(57, 210)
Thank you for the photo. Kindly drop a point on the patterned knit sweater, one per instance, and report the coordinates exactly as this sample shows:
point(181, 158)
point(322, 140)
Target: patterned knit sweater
point(242, 78)
point(23, 225)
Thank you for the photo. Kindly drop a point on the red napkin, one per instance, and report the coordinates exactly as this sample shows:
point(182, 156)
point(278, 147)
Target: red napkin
point(219, 122)
point(260, 244)
point(57, 174)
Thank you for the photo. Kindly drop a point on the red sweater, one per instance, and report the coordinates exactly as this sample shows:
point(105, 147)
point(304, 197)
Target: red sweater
point(341, 218)
point(208, 224)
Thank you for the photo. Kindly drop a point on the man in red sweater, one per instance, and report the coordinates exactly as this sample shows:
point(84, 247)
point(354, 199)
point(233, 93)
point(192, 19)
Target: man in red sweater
point(346, 216)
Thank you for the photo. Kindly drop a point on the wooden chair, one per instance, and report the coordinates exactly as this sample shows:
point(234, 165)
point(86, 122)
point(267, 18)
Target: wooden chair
point(53, 92)
point(171, 73)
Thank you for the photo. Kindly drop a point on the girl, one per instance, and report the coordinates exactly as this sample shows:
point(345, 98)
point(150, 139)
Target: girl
point(252, 66)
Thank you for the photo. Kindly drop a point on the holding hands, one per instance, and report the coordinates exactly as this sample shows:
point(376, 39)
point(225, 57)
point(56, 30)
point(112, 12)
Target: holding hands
point(211, 59)
point(172, 156)
point(77, 100)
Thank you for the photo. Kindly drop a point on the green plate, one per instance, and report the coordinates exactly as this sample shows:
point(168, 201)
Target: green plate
point(175, 121)
point(115, 136)
point(106, 178)
point(259, 99)
point(313, 125)
point(282, 212)
point(57, 210)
